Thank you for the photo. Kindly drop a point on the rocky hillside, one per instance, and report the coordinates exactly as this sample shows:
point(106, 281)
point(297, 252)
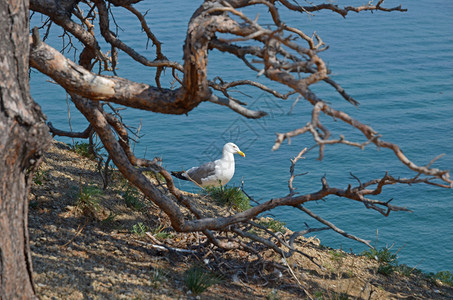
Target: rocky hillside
point(91, 243)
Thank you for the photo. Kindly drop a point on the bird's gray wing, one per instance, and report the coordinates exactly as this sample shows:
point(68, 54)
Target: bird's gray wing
point(202, 172)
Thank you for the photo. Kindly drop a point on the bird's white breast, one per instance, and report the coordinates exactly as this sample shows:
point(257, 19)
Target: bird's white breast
point(223, 173)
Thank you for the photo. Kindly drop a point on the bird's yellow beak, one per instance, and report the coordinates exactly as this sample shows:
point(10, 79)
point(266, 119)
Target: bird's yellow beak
point(241, 153)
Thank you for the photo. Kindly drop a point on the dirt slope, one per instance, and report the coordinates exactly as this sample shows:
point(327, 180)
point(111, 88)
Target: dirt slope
point(88, 250)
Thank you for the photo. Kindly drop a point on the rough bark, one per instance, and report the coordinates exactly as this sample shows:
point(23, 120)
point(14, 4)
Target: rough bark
point(23, 136)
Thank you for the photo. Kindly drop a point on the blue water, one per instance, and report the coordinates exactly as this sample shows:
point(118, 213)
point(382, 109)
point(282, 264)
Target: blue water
point(398, 65)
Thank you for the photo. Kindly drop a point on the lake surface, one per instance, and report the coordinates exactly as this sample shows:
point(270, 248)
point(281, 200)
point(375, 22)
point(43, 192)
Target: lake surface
point(399, 66)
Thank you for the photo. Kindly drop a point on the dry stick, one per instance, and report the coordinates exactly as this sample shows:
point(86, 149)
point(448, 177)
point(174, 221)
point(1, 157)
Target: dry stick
point(372, 136)
point(271, 245)
point(114, 41)
point(166, 248)
point(77, 233)
point(291, 171)
point(83, 135)
point(430, 163)
point(335, 8)
point(304, 232)
point(295, 277)
point(290, 244)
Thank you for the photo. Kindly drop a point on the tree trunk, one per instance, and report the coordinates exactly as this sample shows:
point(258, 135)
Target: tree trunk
point(23, 136)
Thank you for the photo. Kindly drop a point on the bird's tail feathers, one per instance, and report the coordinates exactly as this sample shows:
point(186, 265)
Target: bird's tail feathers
point(179, 175)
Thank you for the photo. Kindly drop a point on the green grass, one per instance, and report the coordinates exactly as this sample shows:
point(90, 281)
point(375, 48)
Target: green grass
point(88, 200)
point(84, 149)
point(445, 277)
point(337, 255)
point(229, 196)
point(272, 295)
point(197, 279)
point(387, 260)
point(132, 198)
point(139, 229)
point(160, 234)
point(273, 225)
point(407, 271)
point(383, 255)
point(157, 277)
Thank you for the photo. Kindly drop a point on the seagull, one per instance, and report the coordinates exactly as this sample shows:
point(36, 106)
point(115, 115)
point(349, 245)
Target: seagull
point(214, 173)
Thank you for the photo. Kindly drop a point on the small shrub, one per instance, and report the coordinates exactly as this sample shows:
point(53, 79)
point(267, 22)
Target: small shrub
point(84, 149)
point(445, 277)
point(229, 196)
point(33, 204)
point(386, 269)
point(407, 271)
point(198, 279)
point(341, 296)
point(139, 229)
point(88, 200)
point(387, 260)
point(319, 295)
point(132, 198)
point(157, 276)
point(337, 256)
point(384, 255)
point(160, 234)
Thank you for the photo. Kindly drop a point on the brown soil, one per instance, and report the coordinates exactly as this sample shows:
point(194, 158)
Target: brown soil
point(90, 252)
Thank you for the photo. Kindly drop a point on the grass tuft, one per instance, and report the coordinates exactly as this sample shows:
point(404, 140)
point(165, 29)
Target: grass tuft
point(157, 277)
point(197, 279)
point(446, 277)
point(84, 149)
point(229, 196)
point(273, 225)
point(407, 271)
point(160, 234)
point(383, 255)
point(386, 258)
point(88, 201)
point(132, 198)
point(139, 229)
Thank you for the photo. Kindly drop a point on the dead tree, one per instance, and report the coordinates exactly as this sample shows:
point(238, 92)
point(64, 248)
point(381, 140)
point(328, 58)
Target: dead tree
point(284, 54)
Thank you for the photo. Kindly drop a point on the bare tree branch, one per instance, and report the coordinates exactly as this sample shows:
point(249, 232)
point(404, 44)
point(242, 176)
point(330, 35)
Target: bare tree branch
point(286, 55)
point(370, 134)
point(342, 11)
point(332, 226)
point(82, 135)
point(237, 107)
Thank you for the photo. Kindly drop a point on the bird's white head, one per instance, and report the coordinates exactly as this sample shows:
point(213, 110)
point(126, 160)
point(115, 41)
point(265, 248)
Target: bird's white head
point(232, 148)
